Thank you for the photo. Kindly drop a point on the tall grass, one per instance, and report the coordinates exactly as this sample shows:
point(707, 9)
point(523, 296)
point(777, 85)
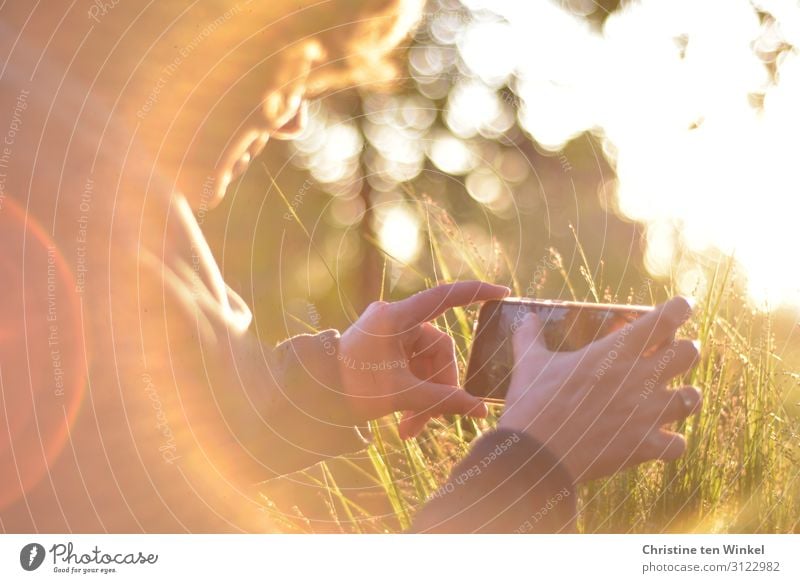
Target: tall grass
point(741, 472)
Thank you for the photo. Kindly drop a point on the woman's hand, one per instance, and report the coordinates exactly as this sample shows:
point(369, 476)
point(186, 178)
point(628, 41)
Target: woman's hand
point(603, 408)
point(394, 359)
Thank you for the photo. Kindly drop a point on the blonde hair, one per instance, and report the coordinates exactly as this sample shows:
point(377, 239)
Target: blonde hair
point(364, 41)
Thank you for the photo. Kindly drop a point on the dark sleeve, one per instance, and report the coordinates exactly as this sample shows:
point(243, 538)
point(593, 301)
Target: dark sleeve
point(257, 411)
point(307, 416)
point(508, 483)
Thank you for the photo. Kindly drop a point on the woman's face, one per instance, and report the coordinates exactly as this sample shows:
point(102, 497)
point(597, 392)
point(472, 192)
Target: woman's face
point(244, 74)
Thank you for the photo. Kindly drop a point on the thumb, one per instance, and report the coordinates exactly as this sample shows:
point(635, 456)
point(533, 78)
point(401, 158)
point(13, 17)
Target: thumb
point(528, 336)
point(432, 399)
point(412, 424)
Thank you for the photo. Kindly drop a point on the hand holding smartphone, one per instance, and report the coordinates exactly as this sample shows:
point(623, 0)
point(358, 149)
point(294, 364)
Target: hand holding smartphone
point(566, 326)
point(591, 383)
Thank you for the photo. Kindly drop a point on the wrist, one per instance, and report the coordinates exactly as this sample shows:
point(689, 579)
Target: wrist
point(317, 373)
point(548, 437)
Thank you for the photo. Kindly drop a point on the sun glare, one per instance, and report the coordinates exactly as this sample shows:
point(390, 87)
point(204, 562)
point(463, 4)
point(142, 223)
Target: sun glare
point(399, 233)
point(698, 113)
point(699, 120)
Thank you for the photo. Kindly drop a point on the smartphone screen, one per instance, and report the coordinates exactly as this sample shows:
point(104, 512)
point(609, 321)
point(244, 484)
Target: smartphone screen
point(566, 326)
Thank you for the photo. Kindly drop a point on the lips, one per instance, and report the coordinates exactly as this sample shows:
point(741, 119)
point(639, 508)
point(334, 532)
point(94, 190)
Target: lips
point(252, 150)
point(238, 158)
point(296, 124)
point(240, 165)
point(255, 142)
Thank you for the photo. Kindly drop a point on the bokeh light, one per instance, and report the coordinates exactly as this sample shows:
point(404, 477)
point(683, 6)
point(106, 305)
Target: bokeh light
point(697, 119)
point(398, 232)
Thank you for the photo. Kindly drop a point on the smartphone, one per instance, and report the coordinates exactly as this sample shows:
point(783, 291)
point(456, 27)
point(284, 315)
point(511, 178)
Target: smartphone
point(566, 326)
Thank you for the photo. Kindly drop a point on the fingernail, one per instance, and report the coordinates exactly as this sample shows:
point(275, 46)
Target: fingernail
point(691, 399)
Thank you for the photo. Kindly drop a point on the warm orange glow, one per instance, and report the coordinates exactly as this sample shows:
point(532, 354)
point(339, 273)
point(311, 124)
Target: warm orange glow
point(702, 135)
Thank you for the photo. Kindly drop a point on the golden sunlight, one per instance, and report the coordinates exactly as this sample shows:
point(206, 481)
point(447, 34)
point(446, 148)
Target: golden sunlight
point(399, 233)
point(699, 120)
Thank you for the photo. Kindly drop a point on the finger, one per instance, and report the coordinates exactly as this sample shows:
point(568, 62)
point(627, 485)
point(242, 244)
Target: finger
point(528, 337)
point(679, 357)
point(432, 303)
point(675, 405)
point(667, 445)
point(437, 350)
point(438, 399)
point(653, 329)
point(412, 424)
point(659, 444)
point(654, 348)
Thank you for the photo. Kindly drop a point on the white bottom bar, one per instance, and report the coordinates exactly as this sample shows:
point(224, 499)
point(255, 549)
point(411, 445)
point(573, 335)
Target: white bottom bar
point(402, 558)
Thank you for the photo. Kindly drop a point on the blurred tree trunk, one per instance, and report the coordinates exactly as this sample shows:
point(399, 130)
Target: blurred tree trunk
point(369, 288)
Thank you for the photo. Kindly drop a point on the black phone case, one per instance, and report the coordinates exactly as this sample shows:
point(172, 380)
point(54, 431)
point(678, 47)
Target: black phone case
point(491, 359)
